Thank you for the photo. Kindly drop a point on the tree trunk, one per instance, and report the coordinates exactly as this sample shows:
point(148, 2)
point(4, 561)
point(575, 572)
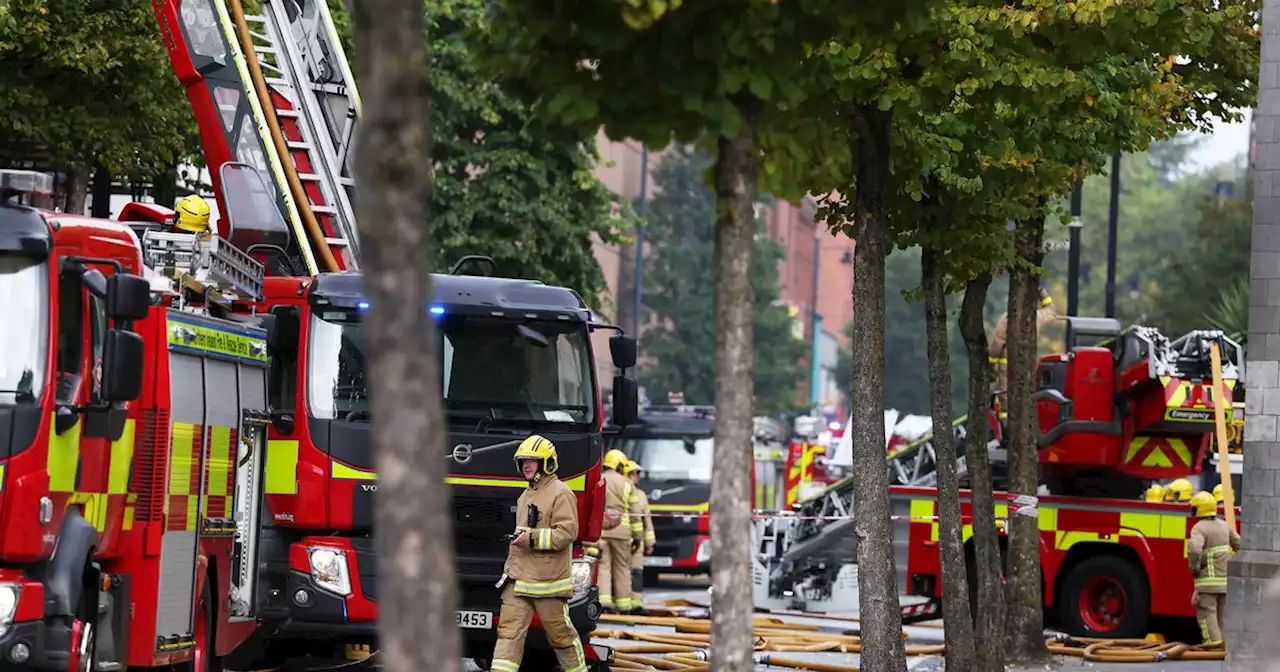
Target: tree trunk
point(881, 622)
point(76, 190)
point(955, 578)
point(732, 607)
point(164, 187)
point(985, 590)
point(1025, 627)
point(101, 207)
point(413, 508)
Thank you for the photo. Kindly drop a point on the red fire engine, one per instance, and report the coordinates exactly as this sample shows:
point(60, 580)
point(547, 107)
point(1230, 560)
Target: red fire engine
point(272, 89)
point(134, 431)
point(1115, 415)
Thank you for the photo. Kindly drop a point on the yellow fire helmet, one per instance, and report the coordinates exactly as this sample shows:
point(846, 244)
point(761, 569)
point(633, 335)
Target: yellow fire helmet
point(1203, 505)
point(1179, 491)
point(1217, 493)
point(615, 459)
point(539, 448)
point(192, 214)
point(1155, 493)
point(631, 467)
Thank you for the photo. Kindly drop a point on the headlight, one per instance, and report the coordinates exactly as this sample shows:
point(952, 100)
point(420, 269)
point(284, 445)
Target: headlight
point(581, 575)
point(8, 605)
point(704, 552)
point(329, 569)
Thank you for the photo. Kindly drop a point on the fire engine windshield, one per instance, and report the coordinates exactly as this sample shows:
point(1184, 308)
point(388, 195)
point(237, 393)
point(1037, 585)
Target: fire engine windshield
point(672, 459)
point(493, 370)
point(24, 291)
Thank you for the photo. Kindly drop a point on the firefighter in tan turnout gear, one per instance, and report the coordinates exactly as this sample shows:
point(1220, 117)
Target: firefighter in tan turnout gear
point(537, 577)
point(1210, 546)
point(998, 351)
point(621, 538)
point(634, 472)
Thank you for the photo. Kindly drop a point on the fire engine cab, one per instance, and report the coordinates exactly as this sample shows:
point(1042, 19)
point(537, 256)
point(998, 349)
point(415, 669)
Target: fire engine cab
point(133, 436)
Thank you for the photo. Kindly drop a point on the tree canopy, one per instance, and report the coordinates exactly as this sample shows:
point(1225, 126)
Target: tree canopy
point(90, 82)
point(679, 296)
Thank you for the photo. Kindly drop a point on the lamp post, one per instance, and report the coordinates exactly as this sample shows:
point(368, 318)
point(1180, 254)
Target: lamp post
point(641, 209)
point(1113, 218)
point(1073, 251)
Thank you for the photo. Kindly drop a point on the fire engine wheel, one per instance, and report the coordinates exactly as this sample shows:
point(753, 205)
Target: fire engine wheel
point(203, 659)
point(1105, 596)
point(83, 638)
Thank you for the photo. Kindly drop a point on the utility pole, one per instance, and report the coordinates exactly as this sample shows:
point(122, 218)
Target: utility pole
point(642, 209)
point(1113, 218)
point(1073, 250)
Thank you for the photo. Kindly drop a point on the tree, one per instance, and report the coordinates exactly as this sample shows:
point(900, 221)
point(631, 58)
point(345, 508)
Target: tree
point(394, 174)
point(679, 292)
point(507, 185)
point(61, 55)
point(731, 69)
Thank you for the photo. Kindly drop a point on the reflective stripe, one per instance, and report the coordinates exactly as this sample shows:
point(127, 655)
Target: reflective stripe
point(544, 539)
point(543, 588)
point(649, 538)
point(282, 468)
point(121, 460)
point(500, 665)
point(581, 665)
point(1210, 578)
point(623, 604)
point(998, 360)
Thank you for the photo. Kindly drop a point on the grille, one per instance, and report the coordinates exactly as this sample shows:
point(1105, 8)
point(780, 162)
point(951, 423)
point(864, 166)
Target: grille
point(150, 463)
point(483, 511)
point(367, 562)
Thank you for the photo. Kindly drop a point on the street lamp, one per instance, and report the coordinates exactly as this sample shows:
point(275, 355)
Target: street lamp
point(1073, 251)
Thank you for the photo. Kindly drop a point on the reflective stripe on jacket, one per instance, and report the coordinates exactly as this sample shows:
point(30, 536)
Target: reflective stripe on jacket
point(541, 566)
point(619, 497)
point(1209, 548)
point(643, 500)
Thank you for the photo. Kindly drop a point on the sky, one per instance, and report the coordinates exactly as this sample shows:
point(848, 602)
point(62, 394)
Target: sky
point(1225, 143)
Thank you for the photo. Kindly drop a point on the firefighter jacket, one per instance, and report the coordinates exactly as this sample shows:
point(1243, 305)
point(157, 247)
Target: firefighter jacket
point(541, 564)
point(643, 499)
point(620, 496)
point(1211, 544)
point(998, 350)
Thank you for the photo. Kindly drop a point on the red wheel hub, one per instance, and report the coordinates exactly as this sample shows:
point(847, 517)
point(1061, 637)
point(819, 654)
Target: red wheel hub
point(1103, 604)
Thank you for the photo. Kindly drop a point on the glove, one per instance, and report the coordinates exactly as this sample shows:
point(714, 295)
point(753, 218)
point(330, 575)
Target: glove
point(635, 544)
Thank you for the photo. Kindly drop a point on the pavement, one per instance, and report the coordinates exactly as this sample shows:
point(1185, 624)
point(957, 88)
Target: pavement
point(694, 590)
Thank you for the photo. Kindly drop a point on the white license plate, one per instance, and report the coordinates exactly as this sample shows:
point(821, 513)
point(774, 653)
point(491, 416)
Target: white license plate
point(475, 620)
point(654, 561)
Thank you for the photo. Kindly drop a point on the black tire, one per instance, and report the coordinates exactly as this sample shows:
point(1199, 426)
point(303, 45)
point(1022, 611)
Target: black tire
point(650, 578)
point(1091, 593)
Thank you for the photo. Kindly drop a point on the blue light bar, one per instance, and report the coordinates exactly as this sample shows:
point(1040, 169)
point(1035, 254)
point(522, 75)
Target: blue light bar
point(437, 310)
point(363, 305)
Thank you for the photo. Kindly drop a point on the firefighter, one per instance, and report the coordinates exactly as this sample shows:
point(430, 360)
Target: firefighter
point(635, 471)
point(621, 537)
point(1179, 491)
point(537, 577)
point(1156, 493)
point(192, 214)
point(998, 350)
point(1217, 493)
point(1210, 546)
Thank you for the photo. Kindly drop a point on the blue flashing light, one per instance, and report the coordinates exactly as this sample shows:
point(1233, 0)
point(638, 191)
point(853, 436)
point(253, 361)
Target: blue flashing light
point(437, 310)
point(363, 305)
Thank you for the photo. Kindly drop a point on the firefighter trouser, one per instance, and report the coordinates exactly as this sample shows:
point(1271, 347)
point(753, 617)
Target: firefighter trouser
point(614, 576)
point(513, 624)
point(1000, 379)
point(637, 578)
point(1211, 611)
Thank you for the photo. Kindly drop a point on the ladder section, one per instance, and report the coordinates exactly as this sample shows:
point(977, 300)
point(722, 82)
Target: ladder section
point(318, 108)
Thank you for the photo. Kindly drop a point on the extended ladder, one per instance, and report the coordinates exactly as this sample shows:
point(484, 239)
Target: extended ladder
point(318, 108)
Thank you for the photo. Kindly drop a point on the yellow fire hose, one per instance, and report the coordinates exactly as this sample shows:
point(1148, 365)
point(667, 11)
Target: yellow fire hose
point(685, 646)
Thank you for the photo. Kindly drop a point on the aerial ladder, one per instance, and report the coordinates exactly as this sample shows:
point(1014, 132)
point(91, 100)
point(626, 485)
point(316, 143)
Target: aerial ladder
point(277, 109)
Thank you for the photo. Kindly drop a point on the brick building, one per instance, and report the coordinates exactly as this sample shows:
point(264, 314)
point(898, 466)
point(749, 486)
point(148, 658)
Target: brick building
point(830, 291)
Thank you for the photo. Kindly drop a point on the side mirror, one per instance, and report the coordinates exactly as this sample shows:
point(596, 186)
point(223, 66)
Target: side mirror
point(623, 350)
point(95, 281)
point(128, 297)
point(122, 366)
point(282, 330)
point(626, 398)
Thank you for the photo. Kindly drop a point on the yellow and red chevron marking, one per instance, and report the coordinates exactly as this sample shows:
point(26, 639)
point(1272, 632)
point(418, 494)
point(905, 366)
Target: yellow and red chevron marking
point(1184, 395)
point(1159, 452)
